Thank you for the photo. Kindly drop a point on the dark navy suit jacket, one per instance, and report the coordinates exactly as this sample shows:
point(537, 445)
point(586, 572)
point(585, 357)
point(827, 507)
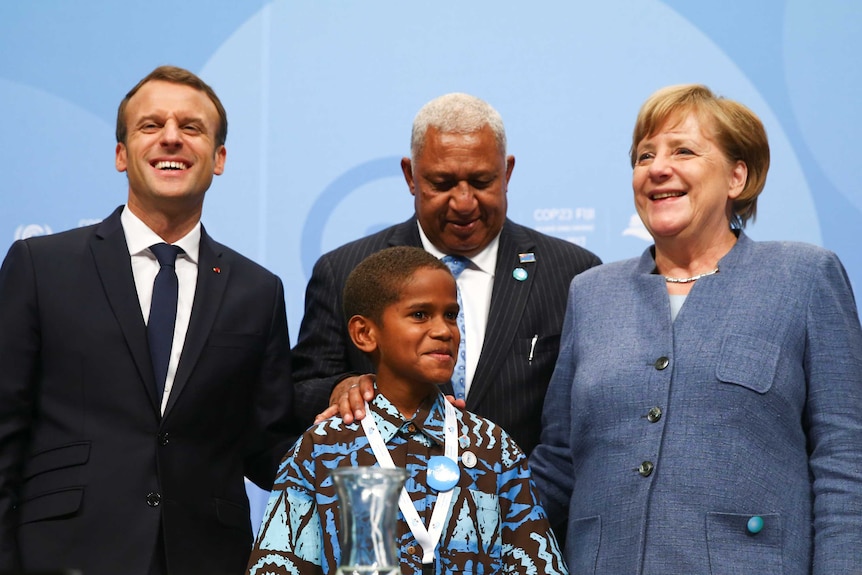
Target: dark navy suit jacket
point(89, 470)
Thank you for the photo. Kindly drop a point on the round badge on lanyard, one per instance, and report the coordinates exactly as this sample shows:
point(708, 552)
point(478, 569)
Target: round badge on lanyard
point(430, 536)
point(443, 473)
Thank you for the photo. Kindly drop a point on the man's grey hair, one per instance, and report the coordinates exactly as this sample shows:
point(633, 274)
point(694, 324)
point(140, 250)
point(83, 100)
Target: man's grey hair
point(456, 113)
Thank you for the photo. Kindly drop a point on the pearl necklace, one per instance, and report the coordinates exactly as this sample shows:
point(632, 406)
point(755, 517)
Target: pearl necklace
point(671, 280)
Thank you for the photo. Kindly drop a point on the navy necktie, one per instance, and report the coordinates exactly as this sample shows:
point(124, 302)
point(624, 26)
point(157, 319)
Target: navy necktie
point(163, 312)
point(456, 265)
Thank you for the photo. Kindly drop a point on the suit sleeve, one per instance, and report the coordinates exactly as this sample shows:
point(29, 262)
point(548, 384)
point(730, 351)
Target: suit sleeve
point(320, 357)
point(19, 353)
point(271, 432)
point(833, 368)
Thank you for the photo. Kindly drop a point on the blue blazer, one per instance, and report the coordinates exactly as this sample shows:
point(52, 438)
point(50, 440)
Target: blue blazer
point(661, 440)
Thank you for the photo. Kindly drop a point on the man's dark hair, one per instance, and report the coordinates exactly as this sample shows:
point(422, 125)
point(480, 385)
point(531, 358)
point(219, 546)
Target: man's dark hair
point(174, 75)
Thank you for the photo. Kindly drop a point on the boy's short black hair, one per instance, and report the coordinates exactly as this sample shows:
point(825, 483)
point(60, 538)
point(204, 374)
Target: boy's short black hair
point(378, 280)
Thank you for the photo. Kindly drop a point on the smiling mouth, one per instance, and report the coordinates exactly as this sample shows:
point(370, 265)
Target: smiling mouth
point(665, 195)
point(170, 165)
point(445, 352)
point(463, 227)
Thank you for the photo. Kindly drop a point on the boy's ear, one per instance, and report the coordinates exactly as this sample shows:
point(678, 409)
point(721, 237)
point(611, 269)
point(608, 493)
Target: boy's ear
point(363, 332)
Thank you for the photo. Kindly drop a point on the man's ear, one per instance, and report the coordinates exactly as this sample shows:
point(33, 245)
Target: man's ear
point(363, 332)
point(121, 157)
point(407, 170)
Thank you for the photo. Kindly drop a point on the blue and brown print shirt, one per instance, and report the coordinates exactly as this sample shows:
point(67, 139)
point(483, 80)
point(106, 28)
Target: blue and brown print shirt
point(494, 525)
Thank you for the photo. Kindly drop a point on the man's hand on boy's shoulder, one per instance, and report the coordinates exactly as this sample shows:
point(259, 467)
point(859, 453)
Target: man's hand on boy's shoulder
point(348, 398)
point(350, 394)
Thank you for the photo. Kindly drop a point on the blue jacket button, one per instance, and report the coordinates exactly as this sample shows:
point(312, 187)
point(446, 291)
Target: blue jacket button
point(755, 524)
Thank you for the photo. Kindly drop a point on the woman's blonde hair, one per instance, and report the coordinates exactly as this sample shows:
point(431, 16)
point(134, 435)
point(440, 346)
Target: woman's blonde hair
point(736, 129)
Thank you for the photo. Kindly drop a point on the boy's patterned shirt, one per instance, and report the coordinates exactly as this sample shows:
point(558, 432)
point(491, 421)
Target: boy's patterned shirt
point(495, 524)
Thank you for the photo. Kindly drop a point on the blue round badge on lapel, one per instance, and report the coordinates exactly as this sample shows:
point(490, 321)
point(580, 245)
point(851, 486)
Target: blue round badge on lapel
point(519, 274)
point(443, 473)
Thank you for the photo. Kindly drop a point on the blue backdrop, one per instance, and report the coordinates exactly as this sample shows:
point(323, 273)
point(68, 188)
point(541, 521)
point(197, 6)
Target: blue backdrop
point(321, 95)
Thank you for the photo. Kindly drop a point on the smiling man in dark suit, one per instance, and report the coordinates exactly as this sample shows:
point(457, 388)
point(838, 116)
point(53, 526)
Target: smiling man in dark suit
point(116, 457)
point(512, 288)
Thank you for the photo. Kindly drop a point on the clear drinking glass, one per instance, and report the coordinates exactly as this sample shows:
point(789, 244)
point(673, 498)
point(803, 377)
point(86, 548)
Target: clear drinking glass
point(368, 501)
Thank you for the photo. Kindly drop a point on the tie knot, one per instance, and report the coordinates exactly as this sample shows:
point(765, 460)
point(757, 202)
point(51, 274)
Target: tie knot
point(456, 264)
point(166, 253)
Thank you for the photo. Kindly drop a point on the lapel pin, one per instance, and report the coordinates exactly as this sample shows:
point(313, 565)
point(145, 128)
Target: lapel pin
point(468, 458)
point(519, 274)
point(527, 258)
point(217, 270)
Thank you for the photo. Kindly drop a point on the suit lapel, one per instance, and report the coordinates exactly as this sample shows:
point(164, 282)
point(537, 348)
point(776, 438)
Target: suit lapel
point(213, 276)
point(114, 266)
point(508, 299)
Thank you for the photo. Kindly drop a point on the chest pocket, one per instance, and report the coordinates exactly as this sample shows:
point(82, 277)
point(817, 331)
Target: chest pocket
point(748, 361)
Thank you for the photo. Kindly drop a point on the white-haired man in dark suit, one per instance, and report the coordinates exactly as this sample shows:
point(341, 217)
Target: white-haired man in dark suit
point(512, 289)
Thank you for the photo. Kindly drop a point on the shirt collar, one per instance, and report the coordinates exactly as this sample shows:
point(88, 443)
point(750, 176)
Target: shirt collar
point(139, 237)
point(428, 419)
point(485, 261)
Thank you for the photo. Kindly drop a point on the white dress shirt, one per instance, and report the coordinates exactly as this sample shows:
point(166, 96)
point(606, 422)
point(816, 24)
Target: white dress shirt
point(476, 283)
point(145, 266)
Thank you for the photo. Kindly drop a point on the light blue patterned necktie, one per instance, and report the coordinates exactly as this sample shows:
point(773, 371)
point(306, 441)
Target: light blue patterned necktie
point(456, 265)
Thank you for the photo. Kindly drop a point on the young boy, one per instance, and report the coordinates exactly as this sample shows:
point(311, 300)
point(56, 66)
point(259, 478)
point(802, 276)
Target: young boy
point(402, 304)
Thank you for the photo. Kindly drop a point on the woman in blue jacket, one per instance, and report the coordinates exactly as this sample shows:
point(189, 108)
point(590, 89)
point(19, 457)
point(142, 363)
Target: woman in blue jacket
point(705, 414)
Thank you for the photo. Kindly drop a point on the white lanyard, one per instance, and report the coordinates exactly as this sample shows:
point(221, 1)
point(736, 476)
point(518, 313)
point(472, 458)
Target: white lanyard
point(427, 538)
